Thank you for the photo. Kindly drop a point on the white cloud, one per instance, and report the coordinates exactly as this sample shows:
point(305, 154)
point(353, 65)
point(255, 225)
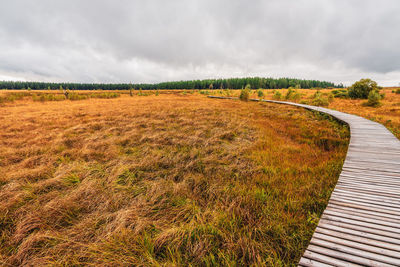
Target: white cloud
point(156, 40)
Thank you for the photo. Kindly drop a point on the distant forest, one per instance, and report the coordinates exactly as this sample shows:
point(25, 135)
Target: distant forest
point(232, 83)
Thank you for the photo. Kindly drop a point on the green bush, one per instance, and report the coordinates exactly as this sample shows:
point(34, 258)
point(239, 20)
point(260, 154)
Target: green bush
point(320, 101)
point(75, 96)
point(277, 95)
point(292, 94)
point(104, 95)
point(398, 91)
point(362, 88)
point(343, 93)
point(374, 99)
point(245, 93)
point(48, 97)
point(260, 93)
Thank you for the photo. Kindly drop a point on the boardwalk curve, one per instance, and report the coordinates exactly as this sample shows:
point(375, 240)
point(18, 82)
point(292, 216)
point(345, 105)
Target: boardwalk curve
point(361, 224)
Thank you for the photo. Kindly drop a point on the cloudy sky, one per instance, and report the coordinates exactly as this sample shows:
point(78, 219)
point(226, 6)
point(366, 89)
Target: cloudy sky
point(159, 40)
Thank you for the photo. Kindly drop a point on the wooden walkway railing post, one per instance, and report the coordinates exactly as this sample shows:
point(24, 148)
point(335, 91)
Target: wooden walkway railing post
point(361, 224)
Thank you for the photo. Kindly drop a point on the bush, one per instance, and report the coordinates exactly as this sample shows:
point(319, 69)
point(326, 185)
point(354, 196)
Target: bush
point(362, 88)
point(104, 95)
point(320, 101)
point(245, 93)
point(374, 99)
point(277, 95)
point(48, 97)
point(75, 96)
point(398, 91)
point(260, 93)
point(343, 93)
point(292, 94)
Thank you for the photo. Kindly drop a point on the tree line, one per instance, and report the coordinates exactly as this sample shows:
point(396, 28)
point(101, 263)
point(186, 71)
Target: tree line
point(232, 83)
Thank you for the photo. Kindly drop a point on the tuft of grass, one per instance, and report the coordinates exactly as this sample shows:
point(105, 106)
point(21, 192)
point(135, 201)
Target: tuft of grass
point(71, 179)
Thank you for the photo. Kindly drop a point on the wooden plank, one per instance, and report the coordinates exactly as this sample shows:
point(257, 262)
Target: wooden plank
point(362, 214)
point(369, 244)
point(350, 259)
point(314, 257)
point(380, 260)
point(365, 211)
point(357, 231)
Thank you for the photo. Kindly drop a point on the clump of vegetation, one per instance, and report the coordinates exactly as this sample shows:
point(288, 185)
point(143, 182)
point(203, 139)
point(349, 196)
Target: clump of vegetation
point(362, 88)
point(277, 95)
point(13, 96)
point(321, 99)
point(204, 92)
point(48, 97)
point(245, 93)
point(292, 94)
point(228, 92)
point(341, 93)
point(260, 93)
point(374, 99)
point(106, 95)
point(397, 91)
point(75, 96)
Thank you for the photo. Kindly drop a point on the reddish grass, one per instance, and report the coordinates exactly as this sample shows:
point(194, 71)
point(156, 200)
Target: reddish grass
point(163, 180)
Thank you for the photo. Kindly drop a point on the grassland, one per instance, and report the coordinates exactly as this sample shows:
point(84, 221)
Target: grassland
point(175, 179)
point(388, 113)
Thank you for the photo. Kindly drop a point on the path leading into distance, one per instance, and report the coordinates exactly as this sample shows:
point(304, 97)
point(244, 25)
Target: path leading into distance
point(361, 224)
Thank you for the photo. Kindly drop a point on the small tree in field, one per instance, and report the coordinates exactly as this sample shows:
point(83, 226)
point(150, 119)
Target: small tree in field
point(362, 88)
point(245, 93)
point(260, 93)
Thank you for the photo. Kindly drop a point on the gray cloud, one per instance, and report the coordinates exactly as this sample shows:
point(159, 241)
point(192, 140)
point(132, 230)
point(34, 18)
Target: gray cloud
point(150, 41)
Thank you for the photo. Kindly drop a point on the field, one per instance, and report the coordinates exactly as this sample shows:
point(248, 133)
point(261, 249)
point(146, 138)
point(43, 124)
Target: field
point(388, 113)
point(172, 178)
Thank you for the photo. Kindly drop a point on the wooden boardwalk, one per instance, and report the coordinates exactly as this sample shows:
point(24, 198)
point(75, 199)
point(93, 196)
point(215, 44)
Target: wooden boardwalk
point(361, 224)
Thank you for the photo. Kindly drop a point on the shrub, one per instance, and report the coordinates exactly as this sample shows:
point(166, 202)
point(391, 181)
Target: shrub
point(48, 97)
point(320, 101)
point(343, 93)
point(292, 94)
point(362, 88)
point(245, 93)
point(104, 95)
point(75, 96)
point(260, 93)
point(374, 99)
point(277, 95)
point(398, 91)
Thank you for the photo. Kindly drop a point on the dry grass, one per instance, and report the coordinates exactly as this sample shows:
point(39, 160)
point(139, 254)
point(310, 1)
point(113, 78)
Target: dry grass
point(171, 180)
point(388, 113)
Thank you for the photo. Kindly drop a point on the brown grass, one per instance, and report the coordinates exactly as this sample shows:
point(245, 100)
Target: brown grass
point(388, 113)
point(162, 180)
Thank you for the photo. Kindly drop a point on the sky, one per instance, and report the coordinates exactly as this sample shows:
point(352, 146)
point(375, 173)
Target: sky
point(147, 41)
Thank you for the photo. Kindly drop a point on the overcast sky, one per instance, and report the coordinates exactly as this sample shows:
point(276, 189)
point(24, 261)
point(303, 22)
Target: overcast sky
point(153, 41)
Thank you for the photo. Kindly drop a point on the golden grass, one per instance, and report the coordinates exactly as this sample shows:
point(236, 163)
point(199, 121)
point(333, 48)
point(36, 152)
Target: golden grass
point(388, 113)
point(172, 180)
